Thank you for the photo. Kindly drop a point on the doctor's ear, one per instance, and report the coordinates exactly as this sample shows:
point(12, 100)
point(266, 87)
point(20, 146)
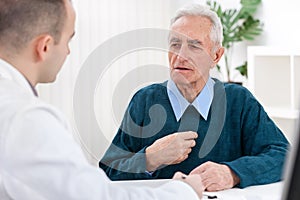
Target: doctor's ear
point(43, 45)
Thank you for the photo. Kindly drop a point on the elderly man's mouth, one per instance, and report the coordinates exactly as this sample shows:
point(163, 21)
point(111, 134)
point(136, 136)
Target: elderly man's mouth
point(182, 68)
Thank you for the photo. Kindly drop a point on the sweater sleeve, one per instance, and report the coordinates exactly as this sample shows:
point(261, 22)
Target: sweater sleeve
point(125, 158)
point(263, 144)
point(120, 163)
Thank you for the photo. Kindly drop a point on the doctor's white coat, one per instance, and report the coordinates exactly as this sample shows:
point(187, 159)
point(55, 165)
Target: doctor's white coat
point(39, 159)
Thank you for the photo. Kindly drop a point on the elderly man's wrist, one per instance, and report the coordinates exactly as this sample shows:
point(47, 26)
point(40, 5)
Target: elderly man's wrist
point(236, 179)
point(151, 161)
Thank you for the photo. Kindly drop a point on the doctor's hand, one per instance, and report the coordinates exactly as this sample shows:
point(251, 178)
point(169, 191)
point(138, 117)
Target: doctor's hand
point(216, 176)
point(193, 180)
point(171, 149)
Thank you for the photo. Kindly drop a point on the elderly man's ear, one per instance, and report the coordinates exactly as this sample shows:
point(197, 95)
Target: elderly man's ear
point(218, 55)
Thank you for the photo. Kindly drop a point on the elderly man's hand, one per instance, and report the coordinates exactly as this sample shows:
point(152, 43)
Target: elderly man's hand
point(216, 176)
point(171, 149)
point(194, 180)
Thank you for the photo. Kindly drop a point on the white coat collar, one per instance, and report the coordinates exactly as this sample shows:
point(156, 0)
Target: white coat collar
point(7, 71)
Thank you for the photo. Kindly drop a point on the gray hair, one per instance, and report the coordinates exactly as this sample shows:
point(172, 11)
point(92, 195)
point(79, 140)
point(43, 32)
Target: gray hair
point(216, 33)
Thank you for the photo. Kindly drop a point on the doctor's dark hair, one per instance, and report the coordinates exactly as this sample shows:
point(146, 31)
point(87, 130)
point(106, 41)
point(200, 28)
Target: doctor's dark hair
point(23, 20)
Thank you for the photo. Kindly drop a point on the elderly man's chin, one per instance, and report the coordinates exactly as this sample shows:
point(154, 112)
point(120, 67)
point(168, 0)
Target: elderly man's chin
point(180, 79)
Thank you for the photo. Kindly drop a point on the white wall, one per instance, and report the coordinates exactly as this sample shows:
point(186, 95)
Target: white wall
point(99, 21)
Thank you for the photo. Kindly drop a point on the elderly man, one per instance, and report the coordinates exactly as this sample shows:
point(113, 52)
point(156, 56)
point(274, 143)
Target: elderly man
point(199, 124)
point(38, 157)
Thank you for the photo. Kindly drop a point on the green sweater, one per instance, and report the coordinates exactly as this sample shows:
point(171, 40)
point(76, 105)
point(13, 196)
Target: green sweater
point(238, 133)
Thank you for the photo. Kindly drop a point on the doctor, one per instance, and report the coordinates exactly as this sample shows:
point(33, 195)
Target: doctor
point(38, 157)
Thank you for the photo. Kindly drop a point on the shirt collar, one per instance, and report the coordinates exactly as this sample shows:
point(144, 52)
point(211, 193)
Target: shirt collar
point(202, 102)
point(7, 71)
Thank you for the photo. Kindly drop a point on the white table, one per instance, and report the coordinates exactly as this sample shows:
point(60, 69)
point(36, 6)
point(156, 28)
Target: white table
point(262, 192)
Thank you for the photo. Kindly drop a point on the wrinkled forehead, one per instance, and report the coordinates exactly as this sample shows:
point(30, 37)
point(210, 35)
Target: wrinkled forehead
point(191, 27)
point(175, 36)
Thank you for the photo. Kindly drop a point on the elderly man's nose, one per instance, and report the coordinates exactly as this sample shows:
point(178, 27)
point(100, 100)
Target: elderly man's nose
point(182, 55)
point(182, 51)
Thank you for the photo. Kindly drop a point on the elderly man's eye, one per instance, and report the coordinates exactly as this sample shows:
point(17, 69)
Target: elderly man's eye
point(195, 47)
point(175, 45)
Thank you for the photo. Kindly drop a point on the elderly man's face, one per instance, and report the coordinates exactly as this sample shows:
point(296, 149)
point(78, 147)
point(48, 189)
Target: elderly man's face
point(190, 50)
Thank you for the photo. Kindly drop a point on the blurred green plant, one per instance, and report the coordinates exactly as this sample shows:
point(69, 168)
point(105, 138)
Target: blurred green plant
point(238, 25)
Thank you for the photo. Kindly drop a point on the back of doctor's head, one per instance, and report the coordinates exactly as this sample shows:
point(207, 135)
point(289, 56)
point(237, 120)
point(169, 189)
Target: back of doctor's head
point(23, 20)
point(195, 9)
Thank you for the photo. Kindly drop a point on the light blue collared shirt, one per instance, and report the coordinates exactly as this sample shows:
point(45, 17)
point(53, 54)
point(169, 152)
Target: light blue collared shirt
point(202, 102)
